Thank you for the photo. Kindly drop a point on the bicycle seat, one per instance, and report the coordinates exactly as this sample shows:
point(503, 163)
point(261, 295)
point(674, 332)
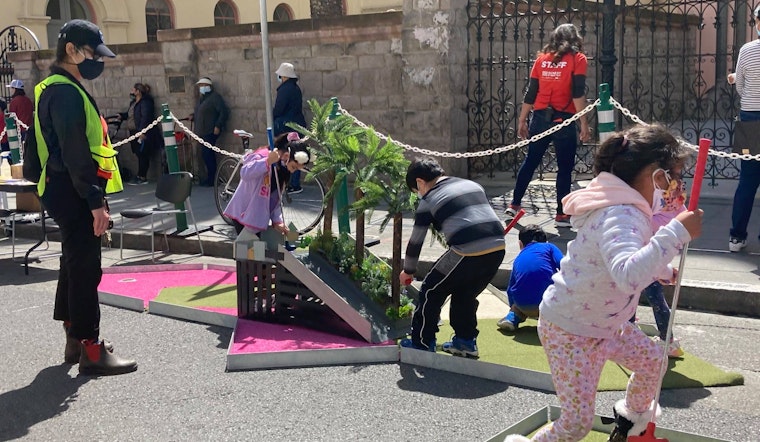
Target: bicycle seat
point(242, 133)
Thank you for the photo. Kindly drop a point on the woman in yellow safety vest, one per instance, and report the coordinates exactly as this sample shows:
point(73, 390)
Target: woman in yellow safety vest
point(78, 169)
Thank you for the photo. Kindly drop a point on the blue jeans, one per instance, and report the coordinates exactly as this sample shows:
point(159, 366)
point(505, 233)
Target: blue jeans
point(656, 297)
point(295, 179)
point(565, 144)
point(749, 180)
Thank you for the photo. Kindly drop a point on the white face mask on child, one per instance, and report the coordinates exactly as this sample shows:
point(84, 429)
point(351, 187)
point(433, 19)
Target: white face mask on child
point(658, 196)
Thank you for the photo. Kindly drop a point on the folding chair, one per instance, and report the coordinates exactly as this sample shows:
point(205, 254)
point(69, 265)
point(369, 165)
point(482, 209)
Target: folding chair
point(173, 188)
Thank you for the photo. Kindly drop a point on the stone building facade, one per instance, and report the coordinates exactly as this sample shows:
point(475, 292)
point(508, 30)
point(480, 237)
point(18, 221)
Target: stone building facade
point(404, 73)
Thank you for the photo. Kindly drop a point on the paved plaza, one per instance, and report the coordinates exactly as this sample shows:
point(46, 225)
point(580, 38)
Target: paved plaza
point(182, 392)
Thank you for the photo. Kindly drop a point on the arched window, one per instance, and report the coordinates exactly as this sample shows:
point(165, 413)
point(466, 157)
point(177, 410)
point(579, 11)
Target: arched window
point(61, 11)
point(283, 12)
point(157, 16)
point(224, 13)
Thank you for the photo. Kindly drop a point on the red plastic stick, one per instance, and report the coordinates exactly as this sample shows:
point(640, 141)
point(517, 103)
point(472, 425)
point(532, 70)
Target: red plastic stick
point(514, 221)
point(699, 173)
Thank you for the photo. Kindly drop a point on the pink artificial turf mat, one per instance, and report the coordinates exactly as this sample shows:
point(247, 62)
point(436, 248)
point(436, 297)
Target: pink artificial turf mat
point(264, 337)
point(147, 285)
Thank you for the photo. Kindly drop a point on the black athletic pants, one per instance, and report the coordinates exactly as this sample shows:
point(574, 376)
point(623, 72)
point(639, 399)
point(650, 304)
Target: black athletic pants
point(462, 277)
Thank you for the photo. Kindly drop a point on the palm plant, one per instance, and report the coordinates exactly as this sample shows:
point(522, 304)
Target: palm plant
point(327, 129)
point(388, 186)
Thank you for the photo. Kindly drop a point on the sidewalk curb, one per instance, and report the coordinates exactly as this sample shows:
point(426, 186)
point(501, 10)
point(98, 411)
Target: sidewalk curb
point(713, 297)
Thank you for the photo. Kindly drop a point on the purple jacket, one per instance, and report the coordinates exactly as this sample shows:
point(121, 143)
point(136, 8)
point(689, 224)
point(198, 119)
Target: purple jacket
point(252, 205)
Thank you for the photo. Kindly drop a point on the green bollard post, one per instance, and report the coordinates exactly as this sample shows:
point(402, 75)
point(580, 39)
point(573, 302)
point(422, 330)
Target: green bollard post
point(605, 113)
point(12, 132)
point(341, 197)
point(172, 160)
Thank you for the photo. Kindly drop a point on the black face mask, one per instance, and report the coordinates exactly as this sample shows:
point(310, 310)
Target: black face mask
point(132, 97)
point(90, 69)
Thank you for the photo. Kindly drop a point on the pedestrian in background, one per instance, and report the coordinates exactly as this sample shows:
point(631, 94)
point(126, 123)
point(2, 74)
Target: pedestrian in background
point(288, 108)
point(144, 113)
point(556, 91)
point(21, 105)
point(209, 118)
point(460, 210)
point(747, 81)
point(77, 169)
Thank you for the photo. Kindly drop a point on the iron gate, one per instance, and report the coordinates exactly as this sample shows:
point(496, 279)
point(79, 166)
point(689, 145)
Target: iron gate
point(666, 61)
point(12, 39)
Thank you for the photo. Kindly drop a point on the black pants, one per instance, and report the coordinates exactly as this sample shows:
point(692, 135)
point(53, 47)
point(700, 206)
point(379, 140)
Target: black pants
point(209, 158)
point(143, 157)
point(462, 277)
point(76, 298)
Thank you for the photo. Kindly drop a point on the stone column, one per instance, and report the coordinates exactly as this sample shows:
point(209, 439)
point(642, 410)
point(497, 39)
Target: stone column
point(434, 51)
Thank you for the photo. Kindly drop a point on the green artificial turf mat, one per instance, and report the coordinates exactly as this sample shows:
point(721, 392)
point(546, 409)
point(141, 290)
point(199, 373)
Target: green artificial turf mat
point(522, 349)
point(593, 436)
point(222, 296)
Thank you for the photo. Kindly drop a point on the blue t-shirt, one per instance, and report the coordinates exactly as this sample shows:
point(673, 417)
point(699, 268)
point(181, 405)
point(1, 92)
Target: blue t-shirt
point(532, 273)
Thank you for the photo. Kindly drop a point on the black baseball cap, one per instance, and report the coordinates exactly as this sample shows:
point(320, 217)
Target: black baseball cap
point(83, 32)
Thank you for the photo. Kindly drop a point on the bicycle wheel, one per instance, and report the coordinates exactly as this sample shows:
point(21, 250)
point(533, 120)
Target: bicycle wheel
point(225, 184)
point(304, 209)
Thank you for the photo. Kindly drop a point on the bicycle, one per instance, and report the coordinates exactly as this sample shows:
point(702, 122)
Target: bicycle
point(304, 209)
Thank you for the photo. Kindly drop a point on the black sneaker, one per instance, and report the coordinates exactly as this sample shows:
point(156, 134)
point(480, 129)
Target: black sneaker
point(294, 190)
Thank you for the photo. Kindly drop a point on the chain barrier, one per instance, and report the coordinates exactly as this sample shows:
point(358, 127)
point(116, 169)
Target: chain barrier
point(717, 153)
point(202, 141)
point(138, 134)
point(483, 153)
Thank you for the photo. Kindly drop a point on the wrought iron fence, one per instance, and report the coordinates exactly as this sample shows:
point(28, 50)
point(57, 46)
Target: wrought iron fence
point(666, 61)
point(12, 39)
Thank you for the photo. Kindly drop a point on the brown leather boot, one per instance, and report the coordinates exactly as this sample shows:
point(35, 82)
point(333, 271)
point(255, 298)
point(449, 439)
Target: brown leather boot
point(96, 360)
point(73, 348)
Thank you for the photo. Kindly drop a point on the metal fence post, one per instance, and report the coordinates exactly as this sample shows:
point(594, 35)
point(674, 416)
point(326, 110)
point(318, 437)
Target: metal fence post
point(12, 132)
point(172, 160)
point(608, 58)
point(605, 114)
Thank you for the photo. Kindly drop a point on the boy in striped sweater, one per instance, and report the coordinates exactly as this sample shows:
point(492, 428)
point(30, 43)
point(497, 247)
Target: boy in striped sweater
point(460, 210)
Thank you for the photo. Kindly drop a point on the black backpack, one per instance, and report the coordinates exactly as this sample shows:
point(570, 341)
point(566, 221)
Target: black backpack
point(31, 166)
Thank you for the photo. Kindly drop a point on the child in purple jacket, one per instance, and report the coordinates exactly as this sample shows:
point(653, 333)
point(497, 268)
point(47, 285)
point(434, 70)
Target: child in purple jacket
point(263, 176)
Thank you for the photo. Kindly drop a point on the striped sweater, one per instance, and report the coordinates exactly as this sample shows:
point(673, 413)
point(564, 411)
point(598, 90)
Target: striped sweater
point(748, 76)
point(459, 209)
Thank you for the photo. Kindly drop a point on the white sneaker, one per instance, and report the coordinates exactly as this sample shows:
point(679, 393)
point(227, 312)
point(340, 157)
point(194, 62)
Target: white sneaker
point(674, 349)
point(736, 244)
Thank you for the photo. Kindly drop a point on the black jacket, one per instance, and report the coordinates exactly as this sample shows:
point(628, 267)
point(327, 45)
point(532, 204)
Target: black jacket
point(63, 125)
point(288, 106)
point(210, 112)
point(145, 113)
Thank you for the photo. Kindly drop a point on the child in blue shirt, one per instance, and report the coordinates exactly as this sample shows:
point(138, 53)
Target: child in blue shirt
point(531, 274)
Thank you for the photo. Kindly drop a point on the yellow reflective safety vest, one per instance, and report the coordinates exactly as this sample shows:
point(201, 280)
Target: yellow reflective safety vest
point(101, 149)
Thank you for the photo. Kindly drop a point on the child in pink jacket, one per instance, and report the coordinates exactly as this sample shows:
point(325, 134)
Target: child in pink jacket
point(263, 176)
point(584, 315)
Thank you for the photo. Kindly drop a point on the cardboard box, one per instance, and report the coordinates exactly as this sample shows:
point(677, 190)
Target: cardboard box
point(25, 202)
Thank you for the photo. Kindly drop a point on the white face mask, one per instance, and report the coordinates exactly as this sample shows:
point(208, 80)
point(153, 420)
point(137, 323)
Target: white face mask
point(658, 196)
point(204, 89)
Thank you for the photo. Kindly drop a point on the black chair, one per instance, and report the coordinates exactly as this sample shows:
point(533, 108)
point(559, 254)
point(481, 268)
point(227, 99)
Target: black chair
point(173, 188)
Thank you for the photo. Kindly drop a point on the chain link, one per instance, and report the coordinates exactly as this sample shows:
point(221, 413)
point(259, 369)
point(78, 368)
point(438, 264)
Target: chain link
point(204, 142)
point(138, 134)
point(717, 153)
point(483, 153)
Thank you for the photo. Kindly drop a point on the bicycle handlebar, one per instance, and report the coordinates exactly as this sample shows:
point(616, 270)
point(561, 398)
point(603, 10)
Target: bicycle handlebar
point(242, 134)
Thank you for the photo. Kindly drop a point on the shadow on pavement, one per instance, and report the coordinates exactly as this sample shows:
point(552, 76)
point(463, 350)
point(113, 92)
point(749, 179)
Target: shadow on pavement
point(443, 384)
point(223, 335)
point(49, 395)
point(13, 273)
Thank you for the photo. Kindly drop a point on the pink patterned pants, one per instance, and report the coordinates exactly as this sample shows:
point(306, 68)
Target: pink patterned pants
point(576, 364)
